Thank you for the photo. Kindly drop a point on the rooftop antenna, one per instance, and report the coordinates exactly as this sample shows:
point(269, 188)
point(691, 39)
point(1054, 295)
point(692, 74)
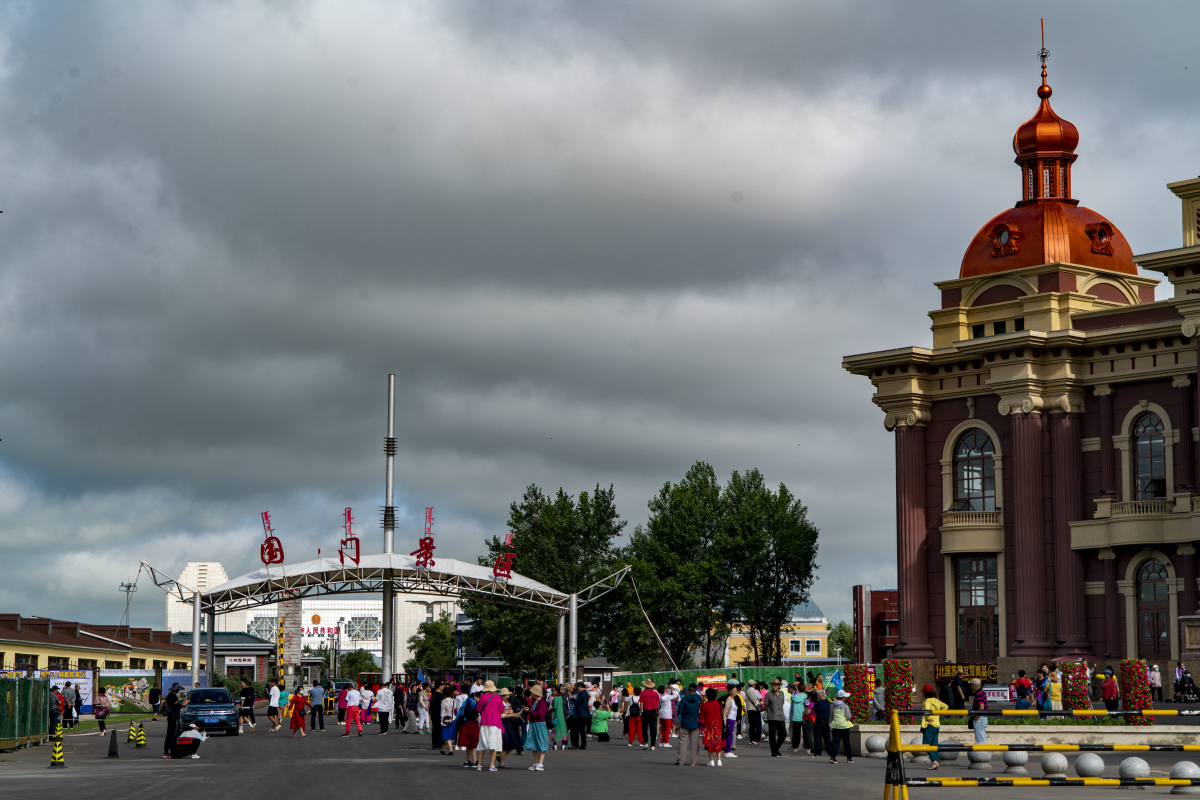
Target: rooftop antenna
point(128, 589)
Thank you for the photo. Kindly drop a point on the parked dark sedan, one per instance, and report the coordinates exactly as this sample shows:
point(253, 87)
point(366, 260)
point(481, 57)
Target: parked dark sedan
point(211, 710)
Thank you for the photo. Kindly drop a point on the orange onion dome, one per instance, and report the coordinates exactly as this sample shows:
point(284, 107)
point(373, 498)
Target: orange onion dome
point(1046, 225)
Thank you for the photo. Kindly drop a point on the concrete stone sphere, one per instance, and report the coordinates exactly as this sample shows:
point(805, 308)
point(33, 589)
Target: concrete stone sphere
point(919, 758)
point(1185, 769)
point(1054, 764)
point(1134, 767)
point(979, 760)
point(1089, 765)
point(951, 756)
point(1015, 761)
point(876, 746)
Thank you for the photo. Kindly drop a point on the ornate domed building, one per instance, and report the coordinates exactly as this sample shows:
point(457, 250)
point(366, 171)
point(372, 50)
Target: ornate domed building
point(1046, 455)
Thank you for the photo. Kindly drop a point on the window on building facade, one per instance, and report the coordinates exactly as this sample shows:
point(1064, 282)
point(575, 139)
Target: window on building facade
point(137, 663)
point(25, 661)
point(974, 473)
point(87, 663)
point(1018, 324)
point(160, 665)
point(999, 328)
point(978, 331)
point(181, 665)
point(812, 647)
point(1149, 453)
point(114, 665)
point(977, 585)
point(363, 628)
point(978, 597)
point(263, 628)
point(58, 662)
point(794, 647)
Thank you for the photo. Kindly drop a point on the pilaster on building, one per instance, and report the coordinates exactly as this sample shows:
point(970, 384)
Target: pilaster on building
point(1046, 456)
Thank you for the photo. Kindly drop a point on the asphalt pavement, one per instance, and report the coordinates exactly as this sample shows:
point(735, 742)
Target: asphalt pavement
point(263, 764)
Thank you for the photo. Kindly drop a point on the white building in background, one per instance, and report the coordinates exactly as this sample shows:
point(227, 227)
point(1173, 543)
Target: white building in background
point(363, 621)
point(202, 576)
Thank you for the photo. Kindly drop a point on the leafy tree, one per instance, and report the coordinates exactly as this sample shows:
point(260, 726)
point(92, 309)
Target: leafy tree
point(351, 664)
point(769, 550)
point(842, 635)
point(433, 645)
point(677, 576)
point(565, 543)
point(322, 651)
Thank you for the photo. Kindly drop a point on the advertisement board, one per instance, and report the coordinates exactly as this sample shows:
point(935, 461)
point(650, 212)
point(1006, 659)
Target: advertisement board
point(131, 685)
point(81, 679)
point(183, 677)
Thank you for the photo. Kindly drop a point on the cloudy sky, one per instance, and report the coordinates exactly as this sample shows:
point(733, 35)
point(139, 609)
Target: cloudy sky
point(596, 242)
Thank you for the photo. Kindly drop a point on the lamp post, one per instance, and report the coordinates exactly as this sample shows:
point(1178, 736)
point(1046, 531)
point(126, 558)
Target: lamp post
point(337, 672)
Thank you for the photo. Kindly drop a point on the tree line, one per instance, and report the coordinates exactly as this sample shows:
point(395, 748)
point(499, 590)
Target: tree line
point(711, 559)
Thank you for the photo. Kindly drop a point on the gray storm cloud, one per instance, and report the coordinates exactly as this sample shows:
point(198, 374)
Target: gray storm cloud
point(596, 242)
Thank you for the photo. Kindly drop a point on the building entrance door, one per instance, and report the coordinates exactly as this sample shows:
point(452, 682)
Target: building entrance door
point(978, 617)
point(1153, 612)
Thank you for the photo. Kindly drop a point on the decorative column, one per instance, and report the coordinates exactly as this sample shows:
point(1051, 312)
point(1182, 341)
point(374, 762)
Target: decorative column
point(1185, 477)
point(1108, 482)
point(1065, 450)
point(1029, 636)
point(1112, 642)
point(1187, 576)
point(911, 563)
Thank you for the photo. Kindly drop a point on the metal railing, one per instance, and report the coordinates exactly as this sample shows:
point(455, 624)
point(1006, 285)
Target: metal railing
point(896, 783)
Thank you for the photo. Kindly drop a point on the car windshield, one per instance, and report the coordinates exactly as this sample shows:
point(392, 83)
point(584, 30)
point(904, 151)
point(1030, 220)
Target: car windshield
point(209, 696)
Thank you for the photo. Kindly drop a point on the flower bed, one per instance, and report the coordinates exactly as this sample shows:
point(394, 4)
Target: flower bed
point(1075, 687)
point(897, 685)
point(1135, 690)
point(857, 682)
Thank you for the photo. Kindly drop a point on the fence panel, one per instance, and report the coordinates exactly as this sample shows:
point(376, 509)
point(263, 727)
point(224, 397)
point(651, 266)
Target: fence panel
point(24, 712)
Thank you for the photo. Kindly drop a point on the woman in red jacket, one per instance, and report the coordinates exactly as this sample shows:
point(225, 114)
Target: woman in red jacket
point(300, 707)
point(712, 722)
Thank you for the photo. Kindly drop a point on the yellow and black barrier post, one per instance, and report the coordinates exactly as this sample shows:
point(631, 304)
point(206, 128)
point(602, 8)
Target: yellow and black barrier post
point(896, 784)
point(132, 737)
point(56, 753)
point(141, 738)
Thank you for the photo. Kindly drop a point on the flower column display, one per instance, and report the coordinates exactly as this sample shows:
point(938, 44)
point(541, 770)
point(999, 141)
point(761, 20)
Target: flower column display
point(1135, 690)
point(1075, 687)
point(897, 686)
point(858, 683)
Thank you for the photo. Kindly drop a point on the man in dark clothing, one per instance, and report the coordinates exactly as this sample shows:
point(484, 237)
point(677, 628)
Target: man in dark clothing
point(435, 716)
point(174, 704)
point(155, 698)
point(822, 710)
point(958, 691)
point(688, 713)
point(581, 717)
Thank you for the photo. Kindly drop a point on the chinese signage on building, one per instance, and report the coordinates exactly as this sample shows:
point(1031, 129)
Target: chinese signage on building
point(985, 672)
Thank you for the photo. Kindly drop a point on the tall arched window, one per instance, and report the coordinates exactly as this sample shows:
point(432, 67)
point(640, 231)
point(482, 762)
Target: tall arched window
point(1153, 611)
point(1150, 458)
point(974, 472)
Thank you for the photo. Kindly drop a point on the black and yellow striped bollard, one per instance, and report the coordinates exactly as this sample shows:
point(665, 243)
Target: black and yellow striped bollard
point(56, 754)
point(132, 732)
point(141, 738)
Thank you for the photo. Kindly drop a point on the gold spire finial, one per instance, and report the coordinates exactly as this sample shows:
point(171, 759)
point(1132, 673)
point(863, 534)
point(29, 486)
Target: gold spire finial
point(1044, 90)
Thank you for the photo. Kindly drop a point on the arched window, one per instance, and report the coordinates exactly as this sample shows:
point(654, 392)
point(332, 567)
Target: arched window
point(975, 472)
point(1153, 610)
point(1149, 452)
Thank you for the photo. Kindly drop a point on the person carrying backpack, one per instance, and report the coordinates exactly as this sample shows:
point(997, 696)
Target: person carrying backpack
point(635, 717)
point(467, 725)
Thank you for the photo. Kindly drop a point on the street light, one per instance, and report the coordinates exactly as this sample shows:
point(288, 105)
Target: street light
point(337, 671)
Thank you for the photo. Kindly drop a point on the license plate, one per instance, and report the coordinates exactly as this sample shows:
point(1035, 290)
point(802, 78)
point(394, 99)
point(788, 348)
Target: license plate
point(211, 720)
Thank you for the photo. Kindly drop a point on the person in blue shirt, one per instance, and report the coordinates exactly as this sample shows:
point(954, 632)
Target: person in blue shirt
point(581, 717)
point(688, 713)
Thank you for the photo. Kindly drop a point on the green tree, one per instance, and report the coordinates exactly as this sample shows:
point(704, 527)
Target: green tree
point(842, 636)
point(565, 543)
point(355, 662)
point(769, 550)
point(433, 645)
point(678, 578)
point(322, 651)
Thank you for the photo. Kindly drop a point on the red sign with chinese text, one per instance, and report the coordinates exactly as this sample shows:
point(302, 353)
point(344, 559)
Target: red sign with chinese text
point(349, 545)
point(271, 551)
point(425, 548)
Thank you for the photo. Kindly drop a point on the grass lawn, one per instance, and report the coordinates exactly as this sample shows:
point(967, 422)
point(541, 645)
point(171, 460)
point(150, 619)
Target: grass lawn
point(119, 721)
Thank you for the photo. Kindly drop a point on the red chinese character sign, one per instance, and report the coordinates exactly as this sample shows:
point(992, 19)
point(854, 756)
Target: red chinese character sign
point(349, 546)
point(271, 551)
point(425, 548)
point(502, 569)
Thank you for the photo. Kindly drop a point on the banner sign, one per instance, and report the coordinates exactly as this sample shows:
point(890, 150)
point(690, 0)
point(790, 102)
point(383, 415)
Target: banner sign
point(80, 679)
point(985, 672)
point(234, 661)
point(717, 682)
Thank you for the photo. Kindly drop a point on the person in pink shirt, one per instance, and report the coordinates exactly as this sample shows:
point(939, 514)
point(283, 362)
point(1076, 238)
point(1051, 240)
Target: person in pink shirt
point(491, 726)
point(650, 702)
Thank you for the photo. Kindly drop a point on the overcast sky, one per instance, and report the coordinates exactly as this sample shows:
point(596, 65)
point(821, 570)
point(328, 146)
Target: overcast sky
point(596, 242)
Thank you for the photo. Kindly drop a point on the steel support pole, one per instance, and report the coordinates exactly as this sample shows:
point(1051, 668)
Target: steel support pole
point(195, 639)
point(560, 672)
point(389, 535)
point(573, 652)
point(210, 652)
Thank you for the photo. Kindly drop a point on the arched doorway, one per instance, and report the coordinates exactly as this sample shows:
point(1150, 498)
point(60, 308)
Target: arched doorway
point(1153, 611)
point(978, 614)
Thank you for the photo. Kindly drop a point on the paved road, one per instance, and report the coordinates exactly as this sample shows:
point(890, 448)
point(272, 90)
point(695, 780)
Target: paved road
point(325, 765)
